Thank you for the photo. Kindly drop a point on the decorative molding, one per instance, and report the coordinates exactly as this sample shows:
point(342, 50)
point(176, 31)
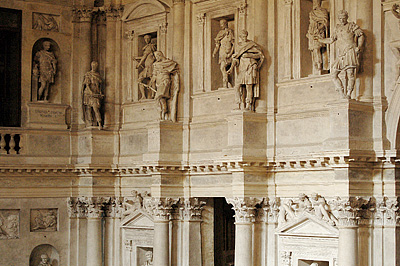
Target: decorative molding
point(178, 1)
point(191, 209)
point(245, 208)
point(160, 208)
point(288, 2)
point(201, 18)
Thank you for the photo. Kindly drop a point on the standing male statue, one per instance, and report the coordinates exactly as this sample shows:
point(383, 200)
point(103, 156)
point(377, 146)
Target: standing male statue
point(166, 78)
point(147, 60)
point(318, 29)
point(224, 43)
point(247, 60)
point(92, 96)
point(46, 67)
point(350, 40)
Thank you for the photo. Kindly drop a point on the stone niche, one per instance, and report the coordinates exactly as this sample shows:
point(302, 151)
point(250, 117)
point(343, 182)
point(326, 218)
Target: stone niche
point(137, 235)
point(307, 240)
point(45, 249)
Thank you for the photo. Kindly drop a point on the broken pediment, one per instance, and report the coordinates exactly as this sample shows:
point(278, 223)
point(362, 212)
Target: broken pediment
point(138, 219)
point(143, 8)
point(308, 225)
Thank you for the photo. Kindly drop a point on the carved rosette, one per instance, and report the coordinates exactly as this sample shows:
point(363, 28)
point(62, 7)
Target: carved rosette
point(76, 208)
point(160, 208)
point(350, 210)
point(191, 209)
point(113, 13)
point(245, 208)
point(82, 14)
point(387, 212)
point(95, 206)
point(113, 208)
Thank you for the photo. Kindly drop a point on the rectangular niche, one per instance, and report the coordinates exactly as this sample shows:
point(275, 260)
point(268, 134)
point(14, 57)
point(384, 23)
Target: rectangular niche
point(9, 224)
point(310, 262)
point(141, 257)
point(216, 74)
point(44, 220)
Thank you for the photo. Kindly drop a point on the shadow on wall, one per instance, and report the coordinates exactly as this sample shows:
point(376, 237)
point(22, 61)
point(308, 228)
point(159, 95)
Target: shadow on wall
point(39, 254)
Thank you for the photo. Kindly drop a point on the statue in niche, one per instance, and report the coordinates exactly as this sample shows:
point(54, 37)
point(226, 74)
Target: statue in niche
point(45, 67)
point(322, 209)
point(395, 45)
point(146, 62)
point(91, 97)
point(44, 22)
point(45, 220)
point(44, 260)
point(318, 29)
point(350, 40)
point(247, 60)
point(9, 226)
point(224, 44)
point(166, 80)
point(149, 259)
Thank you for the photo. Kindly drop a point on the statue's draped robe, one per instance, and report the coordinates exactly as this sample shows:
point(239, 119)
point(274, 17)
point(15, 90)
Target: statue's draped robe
point(225, 38)
point(46, 61)
point(91, 92)
point(319, 23)
point(148, 59)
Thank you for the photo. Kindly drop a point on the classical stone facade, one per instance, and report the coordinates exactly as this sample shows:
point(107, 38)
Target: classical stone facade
point(233, 132)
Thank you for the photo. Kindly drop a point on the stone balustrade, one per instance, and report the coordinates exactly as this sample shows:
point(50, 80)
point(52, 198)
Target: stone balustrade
point(10, 141)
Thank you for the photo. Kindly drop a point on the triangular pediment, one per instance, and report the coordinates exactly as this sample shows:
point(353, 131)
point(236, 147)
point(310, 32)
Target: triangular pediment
point(143, 8)
point(138, 219)
point(308, 225)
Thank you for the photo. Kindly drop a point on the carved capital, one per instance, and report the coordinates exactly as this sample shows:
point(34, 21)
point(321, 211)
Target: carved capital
point(113, 13)
point(288, 2)
point(242, 9)
point(201, 18)
point(191, 209)
point(269, 211)
point(387, 212)
point(100, 17)
point(94, 206)
point(245, 208)
point(76, 208)
point(82, 14)
point(163, 27)
point(160, 208)
point(350, 210)
point(113, 208)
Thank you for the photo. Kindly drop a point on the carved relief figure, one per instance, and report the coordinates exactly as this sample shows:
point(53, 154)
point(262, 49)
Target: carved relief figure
point(395, 45)
point(146, 62)
point(322, 209)
point(318, 29)
point(91, 97)
point(44, 22)
point(304, 203)
point(44, 220)
point(224, 44)
point(149, 259)
point(166, 80)
point(350, 40)
point(286, 212)
point(9, 224)
point(45, 66)
point(132, 204)
point(247, 60)
point(44, 260)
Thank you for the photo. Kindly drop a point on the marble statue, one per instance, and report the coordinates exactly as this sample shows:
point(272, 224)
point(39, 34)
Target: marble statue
point(44, 260)
point(146, 62)
point(304, 203)
point(322, 210)
point(92, 96)
point(132, 204)
point(395, 45)
point(45, 66)
point(247, 60)
point(149, 258)
point(286, 212)
point(349, 39)
point(166, 80)
point(45, 220)
point(224, 44)
point(318, 28)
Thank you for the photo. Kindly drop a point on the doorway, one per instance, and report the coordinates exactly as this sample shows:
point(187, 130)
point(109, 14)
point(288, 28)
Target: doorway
point(224, 233)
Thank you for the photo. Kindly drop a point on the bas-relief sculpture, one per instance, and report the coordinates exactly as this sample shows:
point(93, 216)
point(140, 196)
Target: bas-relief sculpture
point(45, 22)
point(43, 220)
point(149, 259)
point(92, 96)
point(318, 29)
point(44, 70)
point(246, 61)
point(166, 80)
point(146, 62)
point(9, 224)
point(224, 46)
point(349, 39)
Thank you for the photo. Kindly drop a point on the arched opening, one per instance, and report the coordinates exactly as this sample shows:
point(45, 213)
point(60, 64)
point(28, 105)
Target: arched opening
point(41, 252)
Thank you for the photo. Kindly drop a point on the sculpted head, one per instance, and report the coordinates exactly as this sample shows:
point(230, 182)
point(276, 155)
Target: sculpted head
point(343, 16)
point(147, 38)
point(317, 3)
point(149, 256)
point(94, 65)
point(243, 35)
point(46, 45)
point(223, 23)
point(44, 258)
point(159, 55)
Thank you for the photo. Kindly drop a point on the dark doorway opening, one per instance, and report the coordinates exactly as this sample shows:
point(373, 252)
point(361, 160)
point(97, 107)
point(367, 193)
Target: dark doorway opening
point(224, 233)
point(10, 67)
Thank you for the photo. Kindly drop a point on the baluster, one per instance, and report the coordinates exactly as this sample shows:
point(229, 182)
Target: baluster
point(20, 144)
point(12, 144)
point(3, 144)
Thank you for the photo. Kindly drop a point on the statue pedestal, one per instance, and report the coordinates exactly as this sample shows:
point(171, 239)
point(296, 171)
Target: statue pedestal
point(48, 115)
point(164, 140)
point(247, 136)
point(351, 126)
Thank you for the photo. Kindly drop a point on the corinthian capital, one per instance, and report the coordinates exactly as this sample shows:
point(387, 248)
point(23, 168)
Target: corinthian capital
point(245, 208)
point(160, 208)
point(388, 211)
point(113, 13)
point(191, 209)
point(82, 14)
point(76, 208)
point(94, 206)
point(350, 210)
point(113, 207)
point(269, 211)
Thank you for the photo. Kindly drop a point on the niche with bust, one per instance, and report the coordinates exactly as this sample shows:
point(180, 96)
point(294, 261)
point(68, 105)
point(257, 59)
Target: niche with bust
point(44, 255)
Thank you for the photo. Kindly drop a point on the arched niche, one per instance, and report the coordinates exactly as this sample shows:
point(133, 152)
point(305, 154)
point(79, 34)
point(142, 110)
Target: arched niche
point(38, 251)
point(55, 88)
point(143, 8)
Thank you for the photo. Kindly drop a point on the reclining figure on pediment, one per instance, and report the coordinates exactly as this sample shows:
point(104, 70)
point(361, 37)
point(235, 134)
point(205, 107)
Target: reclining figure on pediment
point(133, 203)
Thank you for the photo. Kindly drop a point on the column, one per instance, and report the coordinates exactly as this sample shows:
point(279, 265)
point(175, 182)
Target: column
point(287, 49)
point(112, 218)
point(245, 214)
point(161, 209)
point(268, 216)
point(94, 231)
point(130, 34)
point(201, 19)
point(191, 211)
point(179, 30)
point(84, 17)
